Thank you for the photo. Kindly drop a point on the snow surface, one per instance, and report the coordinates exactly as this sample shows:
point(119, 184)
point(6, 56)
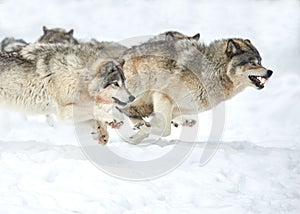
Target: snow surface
point(256, 169)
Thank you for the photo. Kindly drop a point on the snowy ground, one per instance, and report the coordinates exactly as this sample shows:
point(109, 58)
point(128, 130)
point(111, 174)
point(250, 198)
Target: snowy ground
point(257, 166)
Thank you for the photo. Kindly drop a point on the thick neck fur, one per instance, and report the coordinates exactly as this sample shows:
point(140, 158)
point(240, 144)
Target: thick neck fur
point(210, 63)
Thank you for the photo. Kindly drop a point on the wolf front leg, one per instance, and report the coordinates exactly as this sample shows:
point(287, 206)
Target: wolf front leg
point(181, 121)
point(72, 114)
point(99, 131)
point(112, 120)
point(102, 135)
point(161, 122)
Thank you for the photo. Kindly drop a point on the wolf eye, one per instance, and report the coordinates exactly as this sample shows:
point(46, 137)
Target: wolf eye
point(252, 63)
point(115, 84)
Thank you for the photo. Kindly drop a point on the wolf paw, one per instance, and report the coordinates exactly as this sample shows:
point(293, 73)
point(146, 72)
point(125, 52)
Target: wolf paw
point(140, 124)
point(101, 135)
point(189, 123)
point(186, 122)
point(115, 124)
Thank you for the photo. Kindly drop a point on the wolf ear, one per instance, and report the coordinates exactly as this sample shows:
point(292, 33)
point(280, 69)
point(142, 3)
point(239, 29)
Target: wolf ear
point(232, 48)
point(71, 32)
point(169, 36)
point(121, 62)
point(196, 37)
point(247, 41)
point(45, 29)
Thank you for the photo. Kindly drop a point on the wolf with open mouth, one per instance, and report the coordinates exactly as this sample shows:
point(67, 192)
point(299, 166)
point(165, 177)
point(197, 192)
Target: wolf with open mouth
point(246, 62)
point(76, 83)
point(182, 77)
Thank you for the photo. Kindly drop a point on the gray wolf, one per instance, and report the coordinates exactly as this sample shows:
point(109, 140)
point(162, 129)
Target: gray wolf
point(174, 35)
point(183, 77)
point(57, 35)
point(59, 79)
point(111, 49)
point(10, 44)
point(51, 36)
point(62, 36)
point(163, 45)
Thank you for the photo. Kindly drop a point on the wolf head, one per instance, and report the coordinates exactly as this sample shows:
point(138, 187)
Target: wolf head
point(57, 35)
point(10, 44)
point(174, 36)
point(108, 85)
point(244, 64)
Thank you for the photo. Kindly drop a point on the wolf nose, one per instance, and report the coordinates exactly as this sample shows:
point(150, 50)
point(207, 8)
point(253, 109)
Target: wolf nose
point(131, 98)
point(269, 73)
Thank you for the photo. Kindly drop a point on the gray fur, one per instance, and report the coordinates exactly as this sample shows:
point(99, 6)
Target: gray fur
point(174, 70)
point(10, 44)
point(57, 35)
point(174, 35)
point(45, 79)
point(50, 36)
point(111, 49)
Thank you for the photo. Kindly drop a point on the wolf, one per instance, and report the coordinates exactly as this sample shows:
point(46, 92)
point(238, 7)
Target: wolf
point(174, 35)
point(57, 35)
point(65, 80)
point(162, 44)
point(115, 50)
point(51, 36)
point(183, 77)
point(111, 49)
point(10, 44)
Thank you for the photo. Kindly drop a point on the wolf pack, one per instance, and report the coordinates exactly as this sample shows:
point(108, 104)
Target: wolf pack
point(167, 78)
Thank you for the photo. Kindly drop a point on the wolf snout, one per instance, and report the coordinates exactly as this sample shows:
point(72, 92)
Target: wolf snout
point(131, 98)
point(269, 73)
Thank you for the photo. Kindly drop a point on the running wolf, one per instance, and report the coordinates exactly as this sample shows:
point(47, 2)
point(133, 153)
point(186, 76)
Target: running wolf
point(162, 45)
point(56, 36)
point(182, 77)
point(115, 50)
point(59, 79)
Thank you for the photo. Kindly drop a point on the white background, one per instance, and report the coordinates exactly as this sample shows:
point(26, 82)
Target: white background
point(255, 170)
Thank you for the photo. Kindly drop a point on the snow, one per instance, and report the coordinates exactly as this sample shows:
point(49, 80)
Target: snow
point(256, 168)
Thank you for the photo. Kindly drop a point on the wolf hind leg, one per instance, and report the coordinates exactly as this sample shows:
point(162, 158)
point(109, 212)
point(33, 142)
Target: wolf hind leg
point(143, 128)
point(139, 122)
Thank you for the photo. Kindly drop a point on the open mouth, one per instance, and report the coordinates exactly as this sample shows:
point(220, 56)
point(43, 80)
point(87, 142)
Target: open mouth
point(259, 81)
point(119, 102)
